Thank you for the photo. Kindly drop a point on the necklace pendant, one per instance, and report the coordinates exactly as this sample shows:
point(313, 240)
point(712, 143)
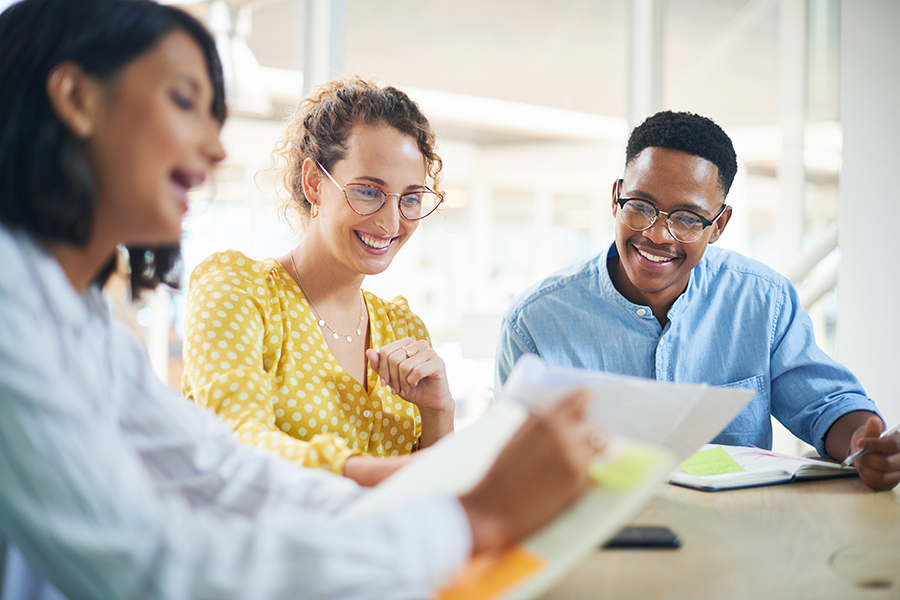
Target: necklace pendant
point(349, 339)
point(322, 323)
point(334, 335)
point(358, 332)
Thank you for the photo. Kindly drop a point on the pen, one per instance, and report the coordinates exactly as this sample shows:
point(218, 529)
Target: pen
point(849, 460)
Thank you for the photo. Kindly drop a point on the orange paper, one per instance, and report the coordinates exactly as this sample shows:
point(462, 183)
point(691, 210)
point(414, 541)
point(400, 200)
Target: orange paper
point(488, 576)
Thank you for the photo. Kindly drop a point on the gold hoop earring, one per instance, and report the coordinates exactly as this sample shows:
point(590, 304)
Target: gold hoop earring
point(314, 211)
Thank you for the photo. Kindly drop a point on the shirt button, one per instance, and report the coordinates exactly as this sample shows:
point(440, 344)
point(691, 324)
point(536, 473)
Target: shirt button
point(641, 312)
point(367, 413)
point(662, 341)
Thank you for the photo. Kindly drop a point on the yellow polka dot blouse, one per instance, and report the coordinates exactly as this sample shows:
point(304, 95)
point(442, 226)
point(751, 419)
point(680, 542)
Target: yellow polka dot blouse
point(254, 353)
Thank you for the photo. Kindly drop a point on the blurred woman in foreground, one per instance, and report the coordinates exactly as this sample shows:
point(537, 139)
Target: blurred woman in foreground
point(112, 485)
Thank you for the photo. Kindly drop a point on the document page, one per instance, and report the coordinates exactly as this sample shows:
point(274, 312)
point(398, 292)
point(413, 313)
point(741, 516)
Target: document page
point(677, 417)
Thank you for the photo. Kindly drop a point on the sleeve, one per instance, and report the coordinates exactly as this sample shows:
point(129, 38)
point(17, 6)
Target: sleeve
point(511, 344)
point(155, 502)
point(232, 346)
point(404, 322)
point(810, 390)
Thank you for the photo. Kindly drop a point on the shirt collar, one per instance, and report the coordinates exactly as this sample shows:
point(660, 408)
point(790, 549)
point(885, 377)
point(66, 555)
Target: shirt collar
point(65, 305)
point(614, 295)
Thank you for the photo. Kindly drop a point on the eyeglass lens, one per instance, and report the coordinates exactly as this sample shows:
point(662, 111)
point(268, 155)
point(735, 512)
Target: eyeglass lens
point(366, 200)
point(683, 226)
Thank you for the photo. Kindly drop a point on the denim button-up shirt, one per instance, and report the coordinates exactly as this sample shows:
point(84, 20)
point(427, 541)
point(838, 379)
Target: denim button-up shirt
point(738, 324)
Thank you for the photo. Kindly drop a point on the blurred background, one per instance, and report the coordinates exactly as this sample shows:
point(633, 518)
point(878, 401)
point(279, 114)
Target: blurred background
point(532, 101)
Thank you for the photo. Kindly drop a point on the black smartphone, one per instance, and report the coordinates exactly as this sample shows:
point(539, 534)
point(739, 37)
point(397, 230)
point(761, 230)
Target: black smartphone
point(646, 536)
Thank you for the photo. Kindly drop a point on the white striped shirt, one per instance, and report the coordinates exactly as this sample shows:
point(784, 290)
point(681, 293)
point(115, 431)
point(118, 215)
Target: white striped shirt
point(113, 486)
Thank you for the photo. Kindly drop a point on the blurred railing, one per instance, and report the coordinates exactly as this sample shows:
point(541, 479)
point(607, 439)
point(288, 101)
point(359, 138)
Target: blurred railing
point(811, 289)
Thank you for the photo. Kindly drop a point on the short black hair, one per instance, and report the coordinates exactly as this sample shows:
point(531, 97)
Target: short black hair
point(47, 186)
point(686, 132)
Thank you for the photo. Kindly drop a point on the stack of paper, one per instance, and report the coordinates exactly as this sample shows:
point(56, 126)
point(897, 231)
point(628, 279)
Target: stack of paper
point(651, 425)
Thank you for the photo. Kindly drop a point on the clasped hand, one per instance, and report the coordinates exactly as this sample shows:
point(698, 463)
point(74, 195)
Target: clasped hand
point(413, 371)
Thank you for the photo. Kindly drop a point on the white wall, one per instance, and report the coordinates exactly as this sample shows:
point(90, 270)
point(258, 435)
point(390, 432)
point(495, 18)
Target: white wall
point(868, 334)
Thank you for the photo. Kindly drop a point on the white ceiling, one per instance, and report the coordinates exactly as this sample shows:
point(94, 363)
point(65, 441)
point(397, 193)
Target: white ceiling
point(721, 55)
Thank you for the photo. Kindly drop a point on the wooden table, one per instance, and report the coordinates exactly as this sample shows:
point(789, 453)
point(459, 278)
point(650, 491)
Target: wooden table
point(825, 540)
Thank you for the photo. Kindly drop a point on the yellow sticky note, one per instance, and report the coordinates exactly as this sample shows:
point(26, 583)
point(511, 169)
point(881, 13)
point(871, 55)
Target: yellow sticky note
point(627, 468)
point(713, 461)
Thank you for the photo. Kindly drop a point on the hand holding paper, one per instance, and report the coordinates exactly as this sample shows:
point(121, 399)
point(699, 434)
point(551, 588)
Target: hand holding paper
point(649, 424)
point(543, 468)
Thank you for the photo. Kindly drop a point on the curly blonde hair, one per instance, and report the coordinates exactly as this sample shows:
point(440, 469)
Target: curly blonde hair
point(321, 125)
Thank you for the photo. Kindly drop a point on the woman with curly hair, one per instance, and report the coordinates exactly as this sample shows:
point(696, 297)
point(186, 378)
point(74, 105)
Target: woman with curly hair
point(291, 352)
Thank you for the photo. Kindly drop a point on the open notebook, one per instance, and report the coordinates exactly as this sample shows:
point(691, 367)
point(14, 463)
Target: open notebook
point(719, 467)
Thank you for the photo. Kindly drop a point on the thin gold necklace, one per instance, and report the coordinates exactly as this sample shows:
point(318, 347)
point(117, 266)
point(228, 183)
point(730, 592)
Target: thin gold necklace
point(321, 321)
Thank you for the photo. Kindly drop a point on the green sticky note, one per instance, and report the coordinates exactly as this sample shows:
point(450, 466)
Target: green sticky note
point(713, 461)
point(627, 469)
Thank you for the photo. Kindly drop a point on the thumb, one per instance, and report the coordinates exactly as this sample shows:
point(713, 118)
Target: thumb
point(873, 427)
point(374, 358)
point(575, 403)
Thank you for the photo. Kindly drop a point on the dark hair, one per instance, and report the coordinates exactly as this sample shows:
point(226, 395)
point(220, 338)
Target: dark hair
point(46, 181)
point(322, 123)
point(689, 133)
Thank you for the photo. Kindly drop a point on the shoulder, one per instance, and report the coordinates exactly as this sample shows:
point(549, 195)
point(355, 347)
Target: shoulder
point(396, 315)
point(724, 265)
point(572, 282)
point(233, 268)
point(13, 248)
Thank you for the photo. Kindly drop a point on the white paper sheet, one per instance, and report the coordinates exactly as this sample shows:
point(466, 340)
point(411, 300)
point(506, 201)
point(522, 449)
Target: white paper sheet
point(678, 417)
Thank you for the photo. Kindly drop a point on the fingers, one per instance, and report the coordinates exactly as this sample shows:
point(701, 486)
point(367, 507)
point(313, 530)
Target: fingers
point(877, 479)
point(873, 427)
point(402, 364)
point(879, 468)
point(889, 444)
point(374, 359)
point(574, 404)
point(543, 468)
point(576, 435)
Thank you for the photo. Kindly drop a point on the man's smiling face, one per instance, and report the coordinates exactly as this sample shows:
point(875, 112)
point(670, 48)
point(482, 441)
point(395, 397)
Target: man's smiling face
point(653, 267)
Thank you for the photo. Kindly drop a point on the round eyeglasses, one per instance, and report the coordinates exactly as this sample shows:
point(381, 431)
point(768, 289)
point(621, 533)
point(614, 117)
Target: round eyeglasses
point(367, 199)
point(686, 226)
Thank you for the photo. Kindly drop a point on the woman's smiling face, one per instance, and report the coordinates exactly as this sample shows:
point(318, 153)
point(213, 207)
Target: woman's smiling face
point(377, 155)
point(154, 137)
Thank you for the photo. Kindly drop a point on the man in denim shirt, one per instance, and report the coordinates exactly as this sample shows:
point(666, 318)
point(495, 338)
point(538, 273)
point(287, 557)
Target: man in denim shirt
point(659, 304)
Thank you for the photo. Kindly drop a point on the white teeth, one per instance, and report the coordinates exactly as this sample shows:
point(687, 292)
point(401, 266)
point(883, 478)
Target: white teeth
point(373, 243)
point(652, 258)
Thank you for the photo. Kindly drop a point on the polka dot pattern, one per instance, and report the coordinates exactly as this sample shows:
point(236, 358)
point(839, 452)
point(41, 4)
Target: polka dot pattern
point(254, 354)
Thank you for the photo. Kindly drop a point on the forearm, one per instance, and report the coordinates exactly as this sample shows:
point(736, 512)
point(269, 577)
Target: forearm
point(369, 471)
point(436, 423)
point(840, 435)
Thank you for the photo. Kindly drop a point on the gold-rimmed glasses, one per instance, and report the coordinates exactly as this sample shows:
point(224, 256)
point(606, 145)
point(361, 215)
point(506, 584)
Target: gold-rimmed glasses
point(367, 199)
